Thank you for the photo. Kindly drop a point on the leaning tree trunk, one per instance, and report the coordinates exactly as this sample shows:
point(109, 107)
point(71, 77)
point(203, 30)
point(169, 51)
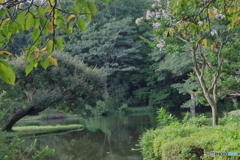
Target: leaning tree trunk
point(20, 114)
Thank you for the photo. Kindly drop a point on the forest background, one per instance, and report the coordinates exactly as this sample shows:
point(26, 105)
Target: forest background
point(129, 71)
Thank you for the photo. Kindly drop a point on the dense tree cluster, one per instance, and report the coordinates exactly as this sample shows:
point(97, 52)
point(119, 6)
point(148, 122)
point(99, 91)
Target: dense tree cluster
point(134, 61)
point(67, 87)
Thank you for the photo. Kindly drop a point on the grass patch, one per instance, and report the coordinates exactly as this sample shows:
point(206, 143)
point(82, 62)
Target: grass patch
point(235, 113)
point(39, 130)
point(140, 109)
point(41, 116)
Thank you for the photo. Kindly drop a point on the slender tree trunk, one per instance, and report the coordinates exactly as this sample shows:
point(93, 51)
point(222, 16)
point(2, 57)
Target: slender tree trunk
point(214, 115)
point(20, 114)
point(192, 108)
point(212, 101)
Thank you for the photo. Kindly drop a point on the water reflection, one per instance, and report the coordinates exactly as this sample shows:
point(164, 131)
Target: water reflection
point(105, 138)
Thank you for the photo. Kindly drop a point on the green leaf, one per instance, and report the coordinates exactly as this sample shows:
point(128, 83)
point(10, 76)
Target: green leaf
point(45, 29)
point(59, 21)
point(92, 7)
point(36, 23)
point(59, 43)
point(5, 21)
point(29, 68)
point(66, 30)
point(6, 72)
point(29, 22)
point(21, 18)
point(49, 46)
point(70, 26)
point(35, 34)
point(38, 41)
point(192, 28)
point(2, 13)
point(43, 22)
point(40, 11)
point(45, 63)
point(74, 10)
point(53, 60)
point(2, 38)
point(89, 17)
point(81, 24)
point(13, 27)
point(106, 1)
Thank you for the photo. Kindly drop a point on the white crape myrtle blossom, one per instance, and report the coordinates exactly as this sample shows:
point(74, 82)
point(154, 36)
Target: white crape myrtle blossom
point(214, 32)
point(215, 10)
point(158, 11)
point(157, 14)
point(160, 44)
point(200, 23)
point(156, 25)
point(149, 15)
point(166, 13)
point(220, 16)
point(154, 5)
point(138, 20)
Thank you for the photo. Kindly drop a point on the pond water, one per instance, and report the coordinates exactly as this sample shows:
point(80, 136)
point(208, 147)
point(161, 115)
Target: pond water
point(104, 138)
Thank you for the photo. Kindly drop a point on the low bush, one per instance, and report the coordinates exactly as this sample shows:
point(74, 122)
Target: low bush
point(192, 139)
point(10, 149)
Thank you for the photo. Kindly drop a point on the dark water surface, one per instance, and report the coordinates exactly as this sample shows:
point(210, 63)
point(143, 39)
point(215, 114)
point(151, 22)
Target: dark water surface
point(104, 138)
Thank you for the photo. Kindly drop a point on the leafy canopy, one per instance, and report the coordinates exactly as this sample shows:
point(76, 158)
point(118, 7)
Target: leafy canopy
point(43, 18)
point(208, 31)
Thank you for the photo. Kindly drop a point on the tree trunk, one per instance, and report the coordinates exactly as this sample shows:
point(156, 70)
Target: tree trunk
point(20, 114)
point(192, 108)
point(214, 115)
point(199, 70)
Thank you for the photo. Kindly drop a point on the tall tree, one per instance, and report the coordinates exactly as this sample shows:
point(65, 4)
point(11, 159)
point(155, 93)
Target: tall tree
point(209, 32)
point(112, 43)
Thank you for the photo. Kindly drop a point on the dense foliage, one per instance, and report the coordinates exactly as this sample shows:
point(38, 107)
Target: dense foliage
point(187, 139)
point(68, 87)
point(42, 19)
point(114, 45)
point(207, 35)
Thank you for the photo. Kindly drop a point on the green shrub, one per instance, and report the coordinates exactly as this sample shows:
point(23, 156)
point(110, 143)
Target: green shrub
point(146, 144)
point(182, 148)
point(164, 118)
point(10, 149)
point(192, 139)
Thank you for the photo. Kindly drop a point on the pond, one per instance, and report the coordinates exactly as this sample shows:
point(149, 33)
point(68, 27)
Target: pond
point(104, 138)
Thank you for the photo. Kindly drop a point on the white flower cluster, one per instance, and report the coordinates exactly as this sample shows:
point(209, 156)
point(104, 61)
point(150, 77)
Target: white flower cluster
point(159, 12)
point(149, 15)
point(156, 4)
point(220, 16)
point(156, 25)
point(161, 44)
point(200, 23)
point(138, 21)
point(214, 32)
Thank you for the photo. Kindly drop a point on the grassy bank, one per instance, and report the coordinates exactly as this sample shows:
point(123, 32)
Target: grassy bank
point(39, 130)
point(192, 139)
point(136, 110)
point(235, 113)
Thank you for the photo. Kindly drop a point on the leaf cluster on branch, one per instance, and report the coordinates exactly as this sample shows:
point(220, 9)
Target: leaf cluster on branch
point(43, 18)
